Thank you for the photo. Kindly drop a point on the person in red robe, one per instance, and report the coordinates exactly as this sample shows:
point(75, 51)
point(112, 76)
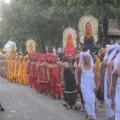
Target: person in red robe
point(29, 69)
point(46, 82)
point(32, 71)
point(39, 72)
point(53, 76)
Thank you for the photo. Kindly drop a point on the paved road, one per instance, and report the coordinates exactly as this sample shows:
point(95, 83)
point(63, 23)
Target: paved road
point(23, 103)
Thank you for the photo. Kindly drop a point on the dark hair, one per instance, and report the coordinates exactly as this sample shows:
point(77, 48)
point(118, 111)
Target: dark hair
point(84, 48)
point(72, 56)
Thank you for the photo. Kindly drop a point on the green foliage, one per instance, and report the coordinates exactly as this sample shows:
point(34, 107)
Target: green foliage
point(45, 20)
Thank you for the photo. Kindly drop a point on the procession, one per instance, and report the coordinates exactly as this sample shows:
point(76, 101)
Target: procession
point(60, 60)
point(76, 74)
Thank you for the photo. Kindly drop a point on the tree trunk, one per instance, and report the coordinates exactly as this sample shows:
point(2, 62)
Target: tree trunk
point(42, 38)
point(105, 29)
point(38, 41)
point(43, 46)
point(23, 49)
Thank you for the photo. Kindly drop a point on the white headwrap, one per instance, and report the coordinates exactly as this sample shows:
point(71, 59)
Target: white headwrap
point(112, 55)
point(117, 46)
point(83, 54)
point(116, 61)
point(9, 45)
point(108, 48)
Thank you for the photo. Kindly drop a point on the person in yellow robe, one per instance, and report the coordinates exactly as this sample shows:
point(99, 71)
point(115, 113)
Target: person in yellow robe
point(15, 68)
point(8, 68)
point(19, 78)
point(6, 65)
point(97, 63)
point(12, 68)
point(7, 59)
point(101, 54)
point(25, 64)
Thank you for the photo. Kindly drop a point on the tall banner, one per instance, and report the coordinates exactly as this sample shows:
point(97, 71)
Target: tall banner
point(10, 47)
point(30, 45)
point(69, 37)
point(88, 28)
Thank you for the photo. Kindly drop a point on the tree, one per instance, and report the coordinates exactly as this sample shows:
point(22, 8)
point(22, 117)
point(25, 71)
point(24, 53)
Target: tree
point(45, 20)
point(103, 10)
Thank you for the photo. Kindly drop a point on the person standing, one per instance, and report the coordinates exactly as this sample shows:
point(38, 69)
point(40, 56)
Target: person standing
point(15, 68)
point(19, 78)
point(39, 72)
point(88, 75)
point(11, 68)
point(25, 77)
point(69, 78)
point(104, 81)
point(115, 91)
point(29, 68)
point(53, 76)
point(33, 71)
point(111, 68)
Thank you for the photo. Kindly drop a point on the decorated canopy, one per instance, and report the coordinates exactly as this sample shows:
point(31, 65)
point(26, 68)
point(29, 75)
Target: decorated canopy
point(69, 40)
point(88, 27)
point(10, 47)
point(30, 45)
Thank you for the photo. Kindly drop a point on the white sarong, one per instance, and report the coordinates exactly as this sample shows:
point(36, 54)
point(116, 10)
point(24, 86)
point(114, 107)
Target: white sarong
point(108, 102)
point(117, 100)
point(87, 88)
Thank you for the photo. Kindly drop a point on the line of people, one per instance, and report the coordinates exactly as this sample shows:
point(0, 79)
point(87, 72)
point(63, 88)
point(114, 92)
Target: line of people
point(39, 71)
point(85, 75)
point(46, 74)
point(109, 74)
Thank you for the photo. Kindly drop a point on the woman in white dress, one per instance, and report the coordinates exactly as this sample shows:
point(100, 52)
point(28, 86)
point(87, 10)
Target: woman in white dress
point(88, 73)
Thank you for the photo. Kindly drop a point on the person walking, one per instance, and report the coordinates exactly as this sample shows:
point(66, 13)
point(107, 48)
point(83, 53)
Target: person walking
point(115, 91)
point(88, 75)
point(70, 81)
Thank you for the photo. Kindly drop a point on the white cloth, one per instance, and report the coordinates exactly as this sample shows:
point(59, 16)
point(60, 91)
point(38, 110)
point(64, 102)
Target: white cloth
point(108, 102)
point(83, 54)
point(9, 45)
point(108, 48)
point(54, 51)
point(117, 100)
point(112, 55)
point(116, 61)
point(87, 88)
point(117, 46)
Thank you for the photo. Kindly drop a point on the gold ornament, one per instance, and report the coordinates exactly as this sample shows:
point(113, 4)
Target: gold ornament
point(30, 45)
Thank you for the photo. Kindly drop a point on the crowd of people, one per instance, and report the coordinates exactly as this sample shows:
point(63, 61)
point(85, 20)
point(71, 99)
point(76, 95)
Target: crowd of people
point(86, 75)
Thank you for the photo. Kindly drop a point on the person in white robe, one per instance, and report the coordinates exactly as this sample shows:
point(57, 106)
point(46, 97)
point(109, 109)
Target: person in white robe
point(109, 54)
point(88, 73)
point(115, 91)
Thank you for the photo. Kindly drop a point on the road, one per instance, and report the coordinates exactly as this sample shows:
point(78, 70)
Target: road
point(23, 103)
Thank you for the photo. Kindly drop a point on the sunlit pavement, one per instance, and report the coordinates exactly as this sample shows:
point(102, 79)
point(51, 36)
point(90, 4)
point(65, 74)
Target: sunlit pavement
point(23, 103)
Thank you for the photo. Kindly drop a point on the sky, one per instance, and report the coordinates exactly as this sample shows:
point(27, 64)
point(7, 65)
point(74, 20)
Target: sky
point(7, 1)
